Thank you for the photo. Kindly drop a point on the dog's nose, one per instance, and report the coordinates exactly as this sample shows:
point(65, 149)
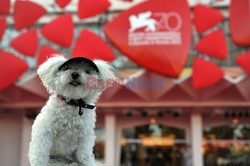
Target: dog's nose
point(75, 75)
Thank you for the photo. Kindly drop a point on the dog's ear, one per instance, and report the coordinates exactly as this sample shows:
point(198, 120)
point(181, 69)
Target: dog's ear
point(106, 71)
point(47, 70)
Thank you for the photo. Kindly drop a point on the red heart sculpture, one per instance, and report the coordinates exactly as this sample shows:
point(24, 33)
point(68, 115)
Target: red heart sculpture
point(62, 3)
point(214, 45)
point(89, 8)
point(60, 30)
point(26, 13)
point(240, 22)
point(244, 61)
point(45, 53)
point(206, 17)
point(91, 46)
point(26, 43)
point(2, 27)
point(155, 34)
point(205, 73)
point(12, 68)
point(4, 7)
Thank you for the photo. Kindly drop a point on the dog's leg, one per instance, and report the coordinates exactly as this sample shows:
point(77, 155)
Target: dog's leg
point(84, 152)
point(41, 142)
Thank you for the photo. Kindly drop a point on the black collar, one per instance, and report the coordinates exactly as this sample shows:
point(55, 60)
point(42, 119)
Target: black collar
point(77, 102)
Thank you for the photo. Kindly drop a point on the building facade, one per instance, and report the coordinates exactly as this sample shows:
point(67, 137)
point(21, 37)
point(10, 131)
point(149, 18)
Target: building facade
point(139, 125)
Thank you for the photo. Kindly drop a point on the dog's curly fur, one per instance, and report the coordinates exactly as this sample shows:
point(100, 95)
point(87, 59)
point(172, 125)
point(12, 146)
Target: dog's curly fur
point(58, 129)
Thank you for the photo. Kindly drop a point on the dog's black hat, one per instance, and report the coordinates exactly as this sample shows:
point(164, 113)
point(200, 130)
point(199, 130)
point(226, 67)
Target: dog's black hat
point(81, 59)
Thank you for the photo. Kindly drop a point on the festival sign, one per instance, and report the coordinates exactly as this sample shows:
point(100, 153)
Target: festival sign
point(155, 34)
point(205, 73)
point(89, 8)
point(26, 43)
point(60, 30)
point(86, 47)
point(3, 24)
point(12, 67)
point(4, 7)
point(244, 60)
point(45, 52)
point(26, 13)
point(240, 22)
point(62, 3)
point(214, 45)
point(206, 17)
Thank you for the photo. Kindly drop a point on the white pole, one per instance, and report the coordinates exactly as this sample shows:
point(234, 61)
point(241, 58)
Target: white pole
point(26, 136)
point(110, 140)
point(196, 130)
point(188, 135)
point(118, 144)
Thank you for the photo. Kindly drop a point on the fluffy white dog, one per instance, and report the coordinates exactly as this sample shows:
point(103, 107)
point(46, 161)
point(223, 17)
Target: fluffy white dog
point(63, 133)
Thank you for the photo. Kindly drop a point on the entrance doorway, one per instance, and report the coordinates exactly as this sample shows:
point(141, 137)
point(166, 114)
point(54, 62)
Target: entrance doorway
point(153, 145)
point(227, 145)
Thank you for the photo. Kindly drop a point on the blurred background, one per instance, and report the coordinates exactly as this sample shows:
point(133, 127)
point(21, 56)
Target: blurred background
point(196, 114)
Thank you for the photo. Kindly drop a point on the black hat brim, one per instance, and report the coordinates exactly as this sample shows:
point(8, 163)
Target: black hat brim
point(81, 59)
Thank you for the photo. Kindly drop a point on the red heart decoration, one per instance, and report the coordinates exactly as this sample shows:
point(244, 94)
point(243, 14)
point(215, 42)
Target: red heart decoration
point(214, 45)
point(240, 22)
point(62, 3)
point(26, 43)
point(206, 17)
point(45, 53)
point(60, 30)
point(89, 8)
point(2, 27)
point(26, 13)
point(205, 73)
point(12, 68)
point(244, 61)
point(4, 7)
point(91, 46)
point(159, 36)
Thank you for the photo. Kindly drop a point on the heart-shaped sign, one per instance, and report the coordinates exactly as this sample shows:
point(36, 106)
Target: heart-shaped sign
point(12, 68)
point(205, 73)
point(244, 61)
point(89, 8)
point(91, 46)
point(26, 43)
point(155, 34)
point(2, 27)
point(206, 17)
point(60, 30)
point(240, 22)
point(4, 7)
point(62, 3)
point(26, 13)
point(44, 53)
point(214, 45)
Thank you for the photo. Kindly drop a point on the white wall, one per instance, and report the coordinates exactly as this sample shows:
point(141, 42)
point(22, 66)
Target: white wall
point(10, 139)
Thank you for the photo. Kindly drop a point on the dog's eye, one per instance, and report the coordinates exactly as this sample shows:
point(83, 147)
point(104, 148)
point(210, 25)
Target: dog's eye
point(87, 72)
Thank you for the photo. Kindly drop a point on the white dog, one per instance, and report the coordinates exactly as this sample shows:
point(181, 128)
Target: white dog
point(63, 133)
